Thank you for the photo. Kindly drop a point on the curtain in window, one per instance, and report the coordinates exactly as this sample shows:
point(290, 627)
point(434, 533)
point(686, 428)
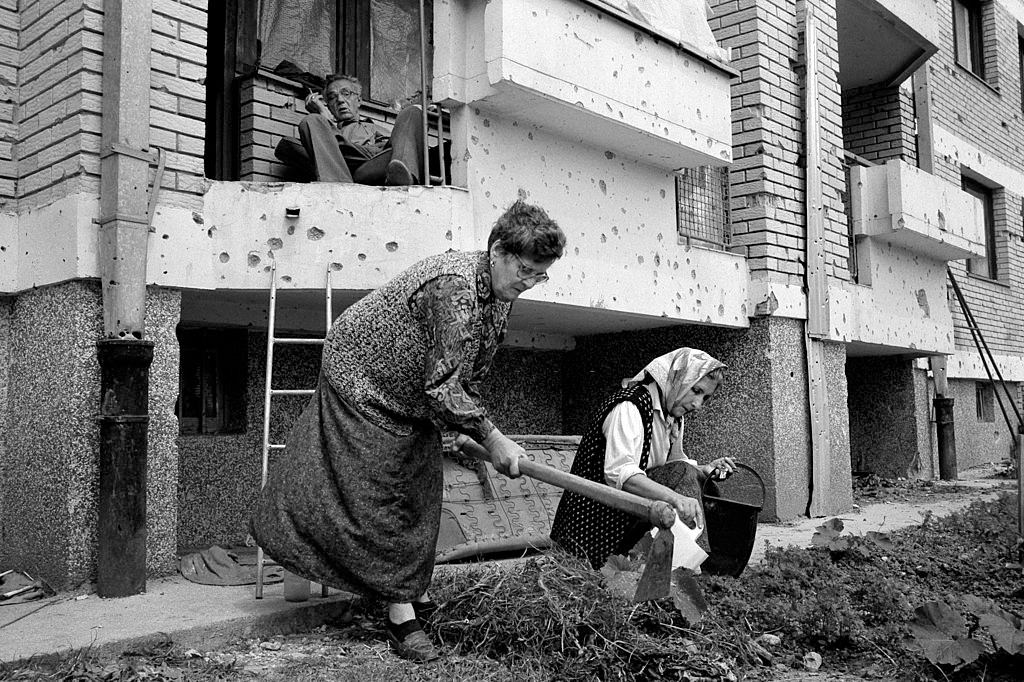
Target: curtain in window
point(395, 49)
point(299, 32)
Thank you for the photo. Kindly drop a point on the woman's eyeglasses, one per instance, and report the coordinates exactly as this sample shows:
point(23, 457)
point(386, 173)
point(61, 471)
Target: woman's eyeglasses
point(528, 274)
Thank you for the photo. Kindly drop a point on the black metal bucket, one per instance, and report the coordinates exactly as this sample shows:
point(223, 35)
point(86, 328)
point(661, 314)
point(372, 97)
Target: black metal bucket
point(731, 528)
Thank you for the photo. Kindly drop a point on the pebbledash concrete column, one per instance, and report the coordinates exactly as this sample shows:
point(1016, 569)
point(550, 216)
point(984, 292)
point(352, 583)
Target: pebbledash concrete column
point(50, 470)
point(49, 450)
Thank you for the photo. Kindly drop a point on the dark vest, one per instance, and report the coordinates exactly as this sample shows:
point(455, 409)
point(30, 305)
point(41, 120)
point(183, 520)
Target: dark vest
point(587, 527)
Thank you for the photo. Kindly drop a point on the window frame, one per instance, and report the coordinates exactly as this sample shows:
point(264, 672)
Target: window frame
point(972, 12)
point(211, 358)
point(985, 194)
point(1020, 64)
point(984, 402)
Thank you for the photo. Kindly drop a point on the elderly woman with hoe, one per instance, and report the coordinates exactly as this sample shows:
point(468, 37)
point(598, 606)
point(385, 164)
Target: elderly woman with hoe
point(358, 505)
point(633, 443)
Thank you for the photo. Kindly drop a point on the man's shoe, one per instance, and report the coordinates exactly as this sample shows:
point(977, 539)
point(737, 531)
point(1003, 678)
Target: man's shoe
point(397, 174)
point(410, 642)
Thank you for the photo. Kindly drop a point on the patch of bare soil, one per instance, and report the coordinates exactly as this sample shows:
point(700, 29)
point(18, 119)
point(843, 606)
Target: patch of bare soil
point(872, 488)
point(939, 601)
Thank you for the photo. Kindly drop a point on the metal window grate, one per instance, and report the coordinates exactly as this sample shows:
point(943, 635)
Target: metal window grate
point(702, 196)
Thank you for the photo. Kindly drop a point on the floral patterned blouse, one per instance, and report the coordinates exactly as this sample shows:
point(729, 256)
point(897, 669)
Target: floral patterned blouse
point(417, 348)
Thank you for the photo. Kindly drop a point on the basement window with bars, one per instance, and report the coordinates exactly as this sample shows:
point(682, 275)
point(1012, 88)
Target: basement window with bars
point(212, 380)
point(702, 198)
point(985, 399)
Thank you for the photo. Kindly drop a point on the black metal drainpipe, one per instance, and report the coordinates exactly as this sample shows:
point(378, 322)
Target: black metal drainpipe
point(124, 427)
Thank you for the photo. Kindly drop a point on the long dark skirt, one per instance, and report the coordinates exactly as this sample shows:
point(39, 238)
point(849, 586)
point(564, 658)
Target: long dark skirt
point(590, 538)
point(351, 505)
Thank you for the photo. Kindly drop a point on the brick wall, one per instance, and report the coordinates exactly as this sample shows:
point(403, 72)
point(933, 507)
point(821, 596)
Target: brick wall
point(271, 109)
point(878, 124)
point(178, 95)
point(986, 114)
point(768, 119)
point(54, 123)
point(58, 109)
point(9, 22)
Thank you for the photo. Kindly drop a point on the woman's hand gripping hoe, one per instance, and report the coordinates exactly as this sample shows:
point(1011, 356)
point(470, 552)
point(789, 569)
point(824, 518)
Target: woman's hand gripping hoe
point(657, 575)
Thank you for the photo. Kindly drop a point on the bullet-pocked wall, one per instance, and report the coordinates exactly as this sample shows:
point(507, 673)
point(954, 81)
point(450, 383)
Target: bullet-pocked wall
point(220, 474)
point(758, 415)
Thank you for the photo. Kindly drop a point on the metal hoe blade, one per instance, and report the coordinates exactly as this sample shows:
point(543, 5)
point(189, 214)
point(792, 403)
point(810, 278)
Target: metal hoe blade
point(657, 576)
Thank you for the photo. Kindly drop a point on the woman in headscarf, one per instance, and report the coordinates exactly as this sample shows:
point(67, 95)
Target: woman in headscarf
point(633, 443)
point(358, 505)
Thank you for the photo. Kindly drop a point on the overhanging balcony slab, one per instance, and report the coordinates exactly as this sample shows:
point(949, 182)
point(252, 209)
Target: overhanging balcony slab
point(570, 68)
point(882, 42)
point(364, 235)
point(908, 207)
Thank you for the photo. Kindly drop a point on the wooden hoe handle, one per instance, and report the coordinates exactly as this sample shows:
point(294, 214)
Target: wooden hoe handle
point(658, 513)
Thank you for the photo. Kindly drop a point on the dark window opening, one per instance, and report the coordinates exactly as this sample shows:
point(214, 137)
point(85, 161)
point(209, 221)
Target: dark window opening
point(377, 41)
point(212, 381)
point(985, 400)
point(967, 36)
point(986, 266)
point(1020, 65)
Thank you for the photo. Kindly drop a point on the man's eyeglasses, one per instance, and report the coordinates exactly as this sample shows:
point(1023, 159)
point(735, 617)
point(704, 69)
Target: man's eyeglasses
point(527, 274)
point(344, 92)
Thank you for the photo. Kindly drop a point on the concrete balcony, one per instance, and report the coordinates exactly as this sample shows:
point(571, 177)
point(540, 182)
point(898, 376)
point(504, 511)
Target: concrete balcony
point(619, 280)
point(882, 42)
point(586, 75)
point(905, 206)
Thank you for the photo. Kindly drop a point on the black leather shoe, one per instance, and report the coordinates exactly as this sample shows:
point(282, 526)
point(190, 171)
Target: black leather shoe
point(398, 174)
point(410, 642)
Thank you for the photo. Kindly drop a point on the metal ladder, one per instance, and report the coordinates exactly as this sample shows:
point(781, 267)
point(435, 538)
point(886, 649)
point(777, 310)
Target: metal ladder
point(270, 393)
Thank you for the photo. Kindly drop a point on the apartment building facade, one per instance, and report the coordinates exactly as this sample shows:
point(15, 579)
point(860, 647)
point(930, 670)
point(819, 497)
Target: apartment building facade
point(781, 183)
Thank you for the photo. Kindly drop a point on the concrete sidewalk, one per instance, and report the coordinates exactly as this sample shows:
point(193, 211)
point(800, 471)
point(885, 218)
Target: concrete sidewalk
point(205, 617)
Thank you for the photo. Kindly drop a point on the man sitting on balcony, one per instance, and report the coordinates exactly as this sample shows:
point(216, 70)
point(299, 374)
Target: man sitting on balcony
point(340, 147)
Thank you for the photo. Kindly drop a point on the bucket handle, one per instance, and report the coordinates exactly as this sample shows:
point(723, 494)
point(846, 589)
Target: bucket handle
point(741, 465)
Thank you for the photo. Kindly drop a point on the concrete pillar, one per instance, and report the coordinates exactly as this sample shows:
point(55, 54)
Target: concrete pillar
point(49, 390)
point(51, 471)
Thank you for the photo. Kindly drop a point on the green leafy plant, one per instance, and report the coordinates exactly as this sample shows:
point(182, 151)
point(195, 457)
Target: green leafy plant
point(1003, 627)
point(940, 634)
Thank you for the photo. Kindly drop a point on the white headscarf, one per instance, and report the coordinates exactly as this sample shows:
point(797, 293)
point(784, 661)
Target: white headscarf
point(675, 373)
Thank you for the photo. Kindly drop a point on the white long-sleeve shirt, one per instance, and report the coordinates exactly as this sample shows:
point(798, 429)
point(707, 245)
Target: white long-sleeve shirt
point(623, 430)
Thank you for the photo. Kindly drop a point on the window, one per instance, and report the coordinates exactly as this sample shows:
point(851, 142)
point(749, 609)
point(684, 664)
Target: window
point(377, 41)
point(986, 266)
point(967, 36)
point(985, 397)
point(1020, 65)
point(702, 196)
point(212, 381)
